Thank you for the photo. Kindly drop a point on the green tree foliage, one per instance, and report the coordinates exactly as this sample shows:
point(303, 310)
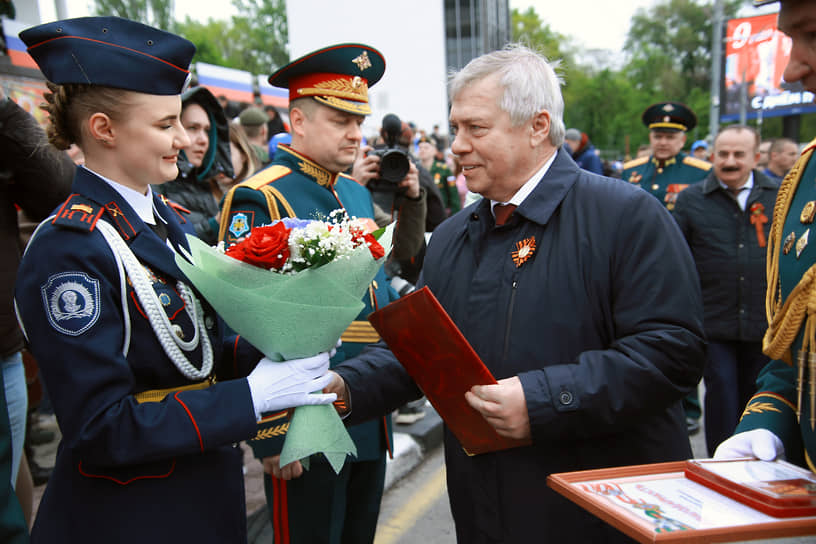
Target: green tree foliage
point(607, 106)
point(260, 34)
point(254, 40)
point(530, 30)
point(670, 46)
point(212, 40)
point(667, 56)
point(158, 13)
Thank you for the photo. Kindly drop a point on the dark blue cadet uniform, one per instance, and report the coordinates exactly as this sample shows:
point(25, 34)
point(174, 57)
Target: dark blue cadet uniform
point(148, 450)
point(147, 454)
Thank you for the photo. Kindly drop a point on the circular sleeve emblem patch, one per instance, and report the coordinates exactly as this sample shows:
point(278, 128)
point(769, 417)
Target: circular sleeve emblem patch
point(71, 301)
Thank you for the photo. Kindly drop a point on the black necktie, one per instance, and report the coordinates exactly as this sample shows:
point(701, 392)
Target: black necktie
point(503, 212)
point(159, 228)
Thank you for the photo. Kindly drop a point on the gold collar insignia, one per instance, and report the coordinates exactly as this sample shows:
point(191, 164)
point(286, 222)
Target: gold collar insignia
point(322, 176)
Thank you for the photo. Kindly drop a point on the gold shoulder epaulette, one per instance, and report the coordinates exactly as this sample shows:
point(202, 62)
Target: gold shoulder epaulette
point(265, 177)
point(635, 162)
point(698, 163)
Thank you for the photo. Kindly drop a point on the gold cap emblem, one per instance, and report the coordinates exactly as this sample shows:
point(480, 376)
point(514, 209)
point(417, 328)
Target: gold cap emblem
point(362, 61)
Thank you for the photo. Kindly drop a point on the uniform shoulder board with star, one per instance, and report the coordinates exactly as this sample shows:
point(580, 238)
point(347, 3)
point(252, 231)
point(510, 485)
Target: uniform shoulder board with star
point(697, 163)
point(78, 213)
point(635, 162)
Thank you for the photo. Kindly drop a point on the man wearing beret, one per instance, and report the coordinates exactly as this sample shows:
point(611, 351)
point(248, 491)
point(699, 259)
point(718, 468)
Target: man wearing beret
point(780, 420)
point(328, 101)
point(666, 172)
point(254, 122)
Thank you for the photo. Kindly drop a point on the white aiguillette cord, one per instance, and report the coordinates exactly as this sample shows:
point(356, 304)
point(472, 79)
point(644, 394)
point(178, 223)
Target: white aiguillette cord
point(159, 321)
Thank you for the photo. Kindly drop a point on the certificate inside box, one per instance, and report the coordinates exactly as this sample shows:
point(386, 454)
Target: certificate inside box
point(658, 503)
point(430, 346)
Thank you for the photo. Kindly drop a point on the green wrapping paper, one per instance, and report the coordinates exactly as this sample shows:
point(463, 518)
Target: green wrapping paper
point(290, 317)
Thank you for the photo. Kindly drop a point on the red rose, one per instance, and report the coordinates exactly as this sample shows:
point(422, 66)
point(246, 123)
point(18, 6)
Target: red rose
point(265, 247)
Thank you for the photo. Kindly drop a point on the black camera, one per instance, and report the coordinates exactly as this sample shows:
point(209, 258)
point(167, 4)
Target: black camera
point(394, 162)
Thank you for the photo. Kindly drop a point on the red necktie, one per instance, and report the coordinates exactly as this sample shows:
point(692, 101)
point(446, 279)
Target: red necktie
point(502, 212)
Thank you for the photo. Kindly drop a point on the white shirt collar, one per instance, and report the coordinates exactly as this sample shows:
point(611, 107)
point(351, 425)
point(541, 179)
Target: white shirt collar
point(142, 204)
point(529, 186)
point(745, 190)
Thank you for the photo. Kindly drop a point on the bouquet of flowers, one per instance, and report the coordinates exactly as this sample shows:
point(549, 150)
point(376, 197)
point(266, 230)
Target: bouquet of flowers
point(291, 288)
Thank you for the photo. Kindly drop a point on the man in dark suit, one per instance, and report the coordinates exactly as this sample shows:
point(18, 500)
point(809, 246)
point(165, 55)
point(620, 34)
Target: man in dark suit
point(577, 292)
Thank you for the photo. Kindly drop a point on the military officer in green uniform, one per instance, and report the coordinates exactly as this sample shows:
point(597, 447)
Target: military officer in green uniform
point(665, 173)
point(668, 170)
point(780, 420)
point(328, 99)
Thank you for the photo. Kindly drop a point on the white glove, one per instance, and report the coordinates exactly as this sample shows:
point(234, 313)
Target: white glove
point(286, 384)
point(333, 351)
point(759, 443)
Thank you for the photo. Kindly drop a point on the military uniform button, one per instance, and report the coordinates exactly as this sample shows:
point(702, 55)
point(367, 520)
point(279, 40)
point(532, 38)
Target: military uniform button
point(209, 322)
point(179, 331)
point(565, 398)
point(474, 216)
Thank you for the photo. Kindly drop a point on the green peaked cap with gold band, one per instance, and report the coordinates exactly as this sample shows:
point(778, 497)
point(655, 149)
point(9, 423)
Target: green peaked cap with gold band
point(669, 117)
point(338, 76)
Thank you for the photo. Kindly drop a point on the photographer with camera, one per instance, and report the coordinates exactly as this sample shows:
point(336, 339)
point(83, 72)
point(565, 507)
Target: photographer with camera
point(388, 192)
point(410, 231)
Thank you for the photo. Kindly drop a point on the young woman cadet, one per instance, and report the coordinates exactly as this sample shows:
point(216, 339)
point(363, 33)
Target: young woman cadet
point(150, 396)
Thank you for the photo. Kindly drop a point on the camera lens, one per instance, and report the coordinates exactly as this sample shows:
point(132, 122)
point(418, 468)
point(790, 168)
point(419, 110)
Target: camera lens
point(394, 166)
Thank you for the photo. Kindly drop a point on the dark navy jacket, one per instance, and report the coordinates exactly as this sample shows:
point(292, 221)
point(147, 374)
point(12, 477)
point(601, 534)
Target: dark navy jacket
point(603, 326)
point(164, 471)
point(729, 257)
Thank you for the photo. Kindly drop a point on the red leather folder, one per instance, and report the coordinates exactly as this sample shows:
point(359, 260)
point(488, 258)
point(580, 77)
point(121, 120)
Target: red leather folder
point(443, 364)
